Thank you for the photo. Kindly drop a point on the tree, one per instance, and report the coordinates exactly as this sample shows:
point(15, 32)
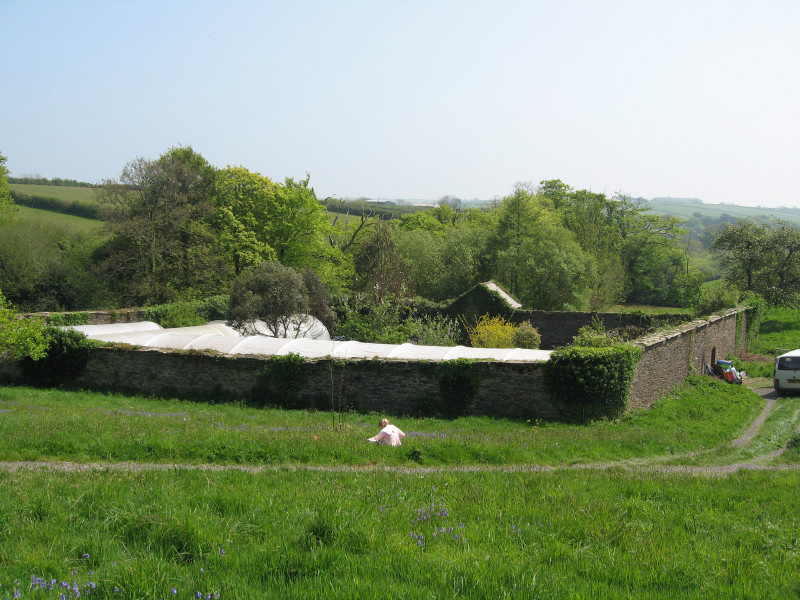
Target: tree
point(743, 249)
point(274, 294)
point(761, 258)
point(380, 270)
point(7, 206)
point(552, 271)
point(163, 246)
point(262, 220)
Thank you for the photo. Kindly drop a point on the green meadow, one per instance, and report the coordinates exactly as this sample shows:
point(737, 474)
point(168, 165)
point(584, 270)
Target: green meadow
point(576, 534)
point(82, 426)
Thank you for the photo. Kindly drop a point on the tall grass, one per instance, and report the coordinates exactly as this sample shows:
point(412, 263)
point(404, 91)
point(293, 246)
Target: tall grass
point(80, 426)
point(387, 535)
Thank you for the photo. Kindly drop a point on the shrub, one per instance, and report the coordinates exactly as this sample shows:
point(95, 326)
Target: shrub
point(491, 332)
point(459, 383)
point(280, 382)
point(526, 336)
point(592, 383)
point(67, 319)
point(66, 356)
point(20, 337)
point(715, 298)
point(594, 336)
point(174, 314)
point(214, 308)
point(434, 330)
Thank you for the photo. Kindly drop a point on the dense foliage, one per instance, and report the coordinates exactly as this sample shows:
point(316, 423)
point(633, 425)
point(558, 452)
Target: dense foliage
point(66, 355)
point(592, 383)
point(761, 258)
point(20, 338)
point(459, 383)
point(279, 382)
point(178, 229)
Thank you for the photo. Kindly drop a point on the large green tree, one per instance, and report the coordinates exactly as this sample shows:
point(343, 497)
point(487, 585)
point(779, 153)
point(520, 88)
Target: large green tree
point(259, 220)
point(163, 246)
point(761, 258)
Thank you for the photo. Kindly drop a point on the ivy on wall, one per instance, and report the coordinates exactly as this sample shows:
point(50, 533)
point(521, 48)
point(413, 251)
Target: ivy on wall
point(592, 383)
point(279, 382)
point(459, 383)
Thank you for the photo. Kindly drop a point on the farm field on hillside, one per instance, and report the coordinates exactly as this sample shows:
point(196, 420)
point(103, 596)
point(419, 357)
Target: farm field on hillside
point(685, 210)
point(386, 535)
point(45, 218)
point(83, 426)
point(70, 194)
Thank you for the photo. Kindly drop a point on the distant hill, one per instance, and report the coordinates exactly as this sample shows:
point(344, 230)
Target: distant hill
point(670, 199)
point(686, 208)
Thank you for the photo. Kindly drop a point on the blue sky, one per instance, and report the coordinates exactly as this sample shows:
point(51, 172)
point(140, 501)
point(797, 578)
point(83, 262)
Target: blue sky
point(412, 99)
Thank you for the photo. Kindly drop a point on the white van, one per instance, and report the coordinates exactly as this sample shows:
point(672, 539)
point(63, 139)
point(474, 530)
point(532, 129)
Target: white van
point(786, 375)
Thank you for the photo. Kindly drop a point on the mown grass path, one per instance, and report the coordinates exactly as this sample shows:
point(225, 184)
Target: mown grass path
point(648, 465)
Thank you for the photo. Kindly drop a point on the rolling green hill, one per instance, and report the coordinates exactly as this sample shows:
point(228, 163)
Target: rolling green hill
point(686, 210)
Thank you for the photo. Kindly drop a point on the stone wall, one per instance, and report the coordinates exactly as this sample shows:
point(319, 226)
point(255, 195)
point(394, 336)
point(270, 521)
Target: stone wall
point(671, 356)
point(514, 390)
point(508, 389)
point(557, 328)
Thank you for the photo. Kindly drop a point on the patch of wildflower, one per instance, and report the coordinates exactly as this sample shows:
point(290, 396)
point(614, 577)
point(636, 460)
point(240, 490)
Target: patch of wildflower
point(431, 516)
point(427, 434)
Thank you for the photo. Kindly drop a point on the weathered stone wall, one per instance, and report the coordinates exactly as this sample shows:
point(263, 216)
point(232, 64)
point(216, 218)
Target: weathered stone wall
point(507, 389)
point(513, 390)
point(557, 328)
point(670, 356)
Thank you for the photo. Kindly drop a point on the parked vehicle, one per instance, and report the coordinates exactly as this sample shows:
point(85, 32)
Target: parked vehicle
point(786, 375)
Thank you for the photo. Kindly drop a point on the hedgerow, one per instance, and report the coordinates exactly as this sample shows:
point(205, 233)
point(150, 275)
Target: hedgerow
point(592, 383)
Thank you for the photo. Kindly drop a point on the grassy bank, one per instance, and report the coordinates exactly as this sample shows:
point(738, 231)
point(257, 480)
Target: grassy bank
point(379, 535)
point(83, 426)
point(779, 329)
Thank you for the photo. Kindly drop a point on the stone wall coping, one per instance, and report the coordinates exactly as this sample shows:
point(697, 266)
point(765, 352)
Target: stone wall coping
point(664, 336)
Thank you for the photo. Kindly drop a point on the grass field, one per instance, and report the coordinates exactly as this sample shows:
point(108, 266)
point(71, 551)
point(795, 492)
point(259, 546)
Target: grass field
point(69, 194)
point(45, 218)
point(51, 424)
point(294, 533)
point(389, 535)
point(686, 210)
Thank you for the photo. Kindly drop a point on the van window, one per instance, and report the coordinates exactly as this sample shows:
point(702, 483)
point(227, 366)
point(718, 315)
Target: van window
point(789, 363)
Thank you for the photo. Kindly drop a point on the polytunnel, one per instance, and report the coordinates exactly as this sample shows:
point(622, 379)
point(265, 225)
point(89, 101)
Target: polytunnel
point(219, 337)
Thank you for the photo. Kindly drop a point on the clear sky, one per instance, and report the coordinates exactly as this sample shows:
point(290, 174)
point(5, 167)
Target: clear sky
point(414, 99)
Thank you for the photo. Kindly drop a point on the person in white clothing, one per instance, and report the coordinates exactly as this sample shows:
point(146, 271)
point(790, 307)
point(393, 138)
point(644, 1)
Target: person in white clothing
point(389, 435)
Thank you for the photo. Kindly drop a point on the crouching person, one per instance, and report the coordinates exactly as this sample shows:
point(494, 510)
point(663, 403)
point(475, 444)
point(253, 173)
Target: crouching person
point(389, 435)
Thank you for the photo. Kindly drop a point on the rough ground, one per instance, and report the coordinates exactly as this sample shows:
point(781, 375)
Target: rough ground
point(636, 465)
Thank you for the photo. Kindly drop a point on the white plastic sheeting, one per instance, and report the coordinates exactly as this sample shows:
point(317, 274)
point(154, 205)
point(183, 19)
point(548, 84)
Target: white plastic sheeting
point(302, 326)
point(221, 338)
point(115, 327)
